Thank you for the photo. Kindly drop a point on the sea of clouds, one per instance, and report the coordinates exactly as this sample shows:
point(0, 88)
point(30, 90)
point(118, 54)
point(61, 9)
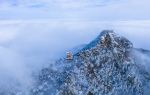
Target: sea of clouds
point(28, 46)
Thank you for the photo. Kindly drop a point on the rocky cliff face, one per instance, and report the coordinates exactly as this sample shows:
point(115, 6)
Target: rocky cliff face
point(106, 66)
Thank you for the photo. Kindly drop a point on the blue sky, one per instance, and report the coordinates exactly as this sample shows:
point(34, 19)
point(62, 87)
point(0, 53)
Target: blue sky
point(75, 9)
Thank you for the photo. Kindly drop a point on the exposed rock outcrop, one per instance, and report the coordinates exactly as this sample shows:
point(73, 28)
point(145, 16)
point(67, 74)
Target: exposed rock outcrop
point(106, 66)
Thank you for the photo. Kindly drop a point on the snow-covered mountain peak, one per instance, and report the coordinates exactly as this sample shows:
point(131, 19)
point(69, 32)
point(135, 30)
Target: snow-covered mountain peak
point(106, 66)
point(108, 44)
point(109, 39)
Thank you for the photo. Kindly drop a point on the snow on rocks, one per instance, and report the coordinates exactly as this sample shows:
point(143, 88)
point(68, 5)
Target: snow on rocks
point(103, 67)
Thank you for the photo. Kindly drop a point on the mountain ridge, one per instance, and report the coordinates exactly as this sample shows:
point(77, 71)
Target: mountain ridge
point(106, 66)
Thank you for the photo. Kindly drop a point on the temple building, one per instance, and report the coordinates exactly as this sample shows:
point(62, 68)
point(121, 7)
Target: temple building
point(69, 56)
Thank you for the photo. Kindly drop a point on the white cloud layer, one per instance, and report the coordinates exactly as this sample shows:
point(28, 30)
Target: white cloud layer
point(28, 46)
point(75, 9)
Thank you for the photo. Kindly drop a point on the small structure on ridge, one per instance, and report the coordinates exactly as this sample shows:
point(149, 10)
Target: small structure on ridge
point(69, 56)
